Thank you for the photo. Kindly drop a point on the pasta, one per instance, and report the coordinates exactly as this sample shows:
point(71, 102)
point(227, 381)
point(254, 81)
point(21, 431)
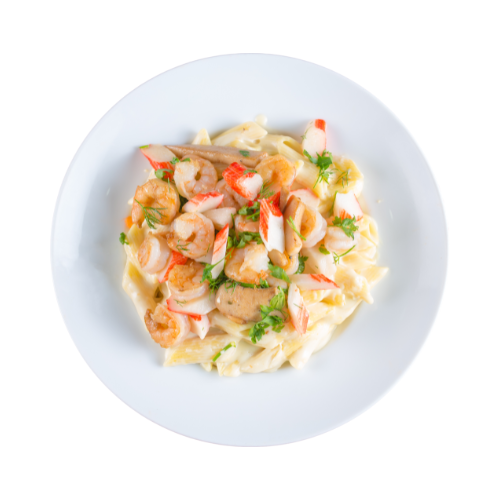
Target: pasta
point(246, 250)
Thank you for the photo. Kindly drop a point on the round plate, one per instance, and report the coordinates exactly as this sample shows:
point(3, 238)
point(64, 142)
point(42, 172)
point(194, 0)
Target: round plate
point(350, 373)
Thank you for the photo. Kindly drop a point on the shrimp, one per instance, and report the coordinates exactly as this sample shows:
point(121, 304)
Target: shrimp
point(166, 328)
point(248, 264)
point(153, 253)
point(276, 171)
point(312, 227)
point(290, 264)
point(192, 235)
point(156, 194)
point(194, 175)
point(337, 241)
point(231, 198)
point(184, 282)
point(243, 223)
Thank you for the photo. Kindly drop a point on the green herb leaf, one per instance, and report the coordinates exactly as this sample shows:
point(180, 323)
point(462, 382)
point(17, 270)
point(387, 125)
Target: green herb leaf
point(294, 227)
point(224, 349)
point(347, 225)
point(246, 154)
point(278, 272)
point(252, 212)
point(186, 159)
point(174, 161)
point(142, 147)
point(249, 171)
point(123, 239)
point(323, 162)
point(265, 190)
point(151, 214)
point(302, 264)
point(162, 172)
point(336, 258)
point(323, 250)
point(277, 303)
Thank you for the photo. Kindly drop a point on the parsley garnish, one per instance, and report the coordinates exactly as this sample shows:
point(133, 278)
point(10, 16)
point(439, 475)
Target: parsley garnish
point(278, 272)
point(161, 173)
point(181, 303)
point(347, 225)
point(251, 211)
point(240, 240)
point(213, 284)
point(265, 190)
point(277, 303)
point(294, 227)
point(142, 147)
point(336, 258)
point(174, 161)
point(151, 214)
point(302, 264)
point(323, 162)
point(323, 250)
point(217, 356)
point(344, 177)
point(186, 159)
point(123, 239)
point(249, 171)
point(246, 154)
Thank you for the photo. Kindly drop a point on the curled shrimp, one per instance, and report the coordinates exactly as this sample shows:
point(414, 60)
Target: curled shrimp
point(184, 282)
point(337, 241)
point(231, 198)
point(192, 235)
point(159, 195)
point(248, 264)
point(243, 223)
point(194, 175)
point(153, 253)
point(276, 171)
point(166, 328)
point(312, 227)
point(290, 264)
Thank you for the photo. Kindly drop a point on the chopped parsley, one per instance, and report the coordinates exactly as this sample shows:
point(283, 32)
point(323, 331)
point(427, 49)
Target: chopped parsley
point(343, 177)
point(347, 225)
point(142, 147)
point(252, 212)
point(151, 214)
point(123, 239)
point(163, 173)
point(323, 250)
point(240, 240)
point(244, 153)
point(174, 161)
point(277, 303)
point(302, 264)
point(278, 272)
point(186, 159)
point(249, 171)
point(294, 227)
point(224, 349)
point(323, 162)
point(265, 190)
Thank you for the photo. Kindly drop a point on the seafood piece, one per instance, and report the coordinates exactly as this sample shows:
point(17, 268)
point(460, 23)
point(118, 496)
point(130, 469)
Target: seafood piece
point(245, 183)
point(314, 138)
point(221, 216)
point(288, 264)
point(175, 259)
point(312, 228)
point(194, 175)
point(248, 264)
point(220, 245)
point(231, 198)
point(159, 195)
point(298, 310)
point(313, 282)
point(192, 235)
point(184, 282)
point(200, 325)
point(293, 218)
point(242, 303)
point(346, 205)
point(337, 241)
point(243, 223)
point(203, 202)
point(199, 306)
point(276, 171)
point(219, 154)
point(159, 157)
point(153, 253)
point(317, 262)
point(166, 328)
point(307, 197)
point(271, 226)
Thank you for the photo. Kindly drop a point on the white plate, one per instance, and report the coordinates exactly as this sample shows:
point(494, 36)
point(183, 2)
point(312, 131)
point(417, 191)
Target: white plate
point(349, 374)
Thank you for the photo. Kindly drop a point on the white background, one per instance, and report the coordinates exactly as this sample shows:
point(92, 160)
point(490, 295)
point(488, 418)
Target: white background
point(435, 64)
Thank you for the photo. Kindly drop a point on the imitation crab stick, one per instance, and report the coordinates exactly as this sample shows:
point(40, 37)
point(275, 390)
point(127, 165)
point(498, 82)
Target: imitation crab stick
point(159, 157)
point(203, 202)
point(245, 183)
point(314, 141)
point(313, 282)
point(297, 308)
point(347, 206)
point(200, 325)
point(199, 306)
point(271, 226)
point(175, 259)
point(219, 254)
